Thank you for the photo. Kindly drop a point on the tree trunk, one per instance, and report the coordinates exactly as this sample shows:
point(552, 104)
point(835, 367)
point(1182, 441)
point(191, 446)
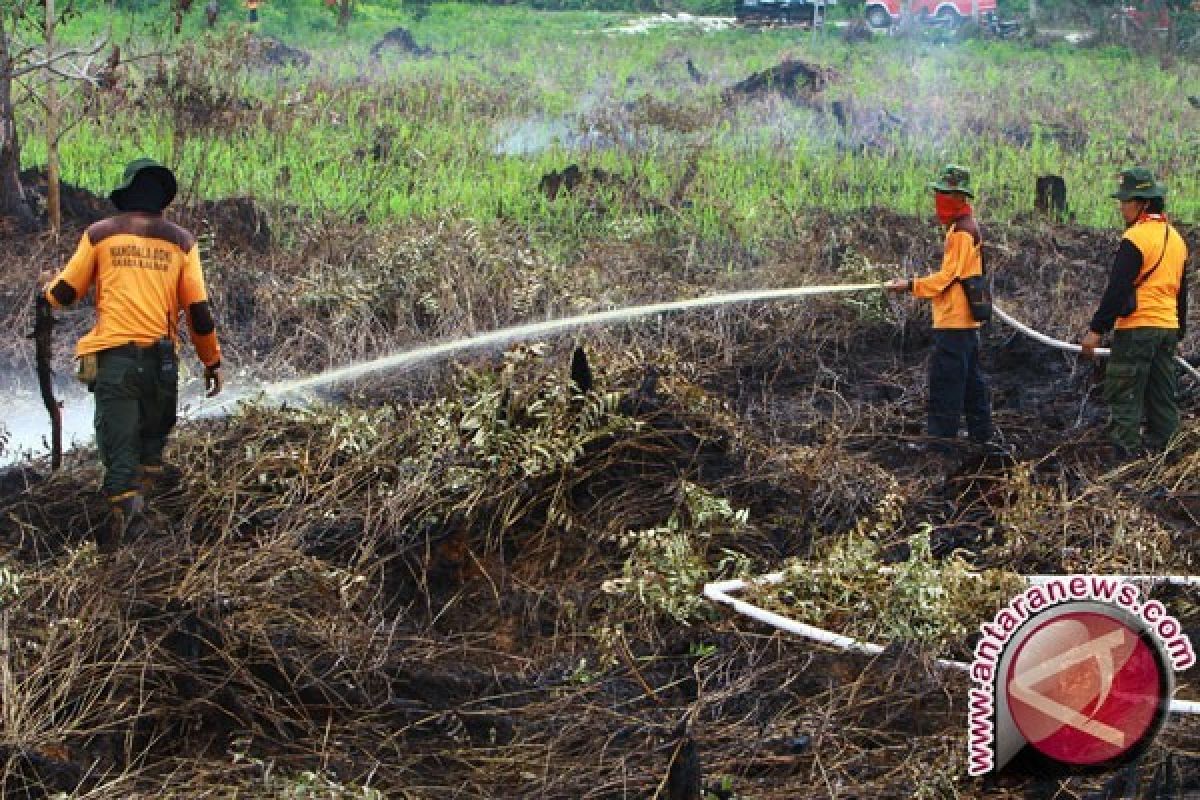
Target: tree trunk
point(53, 201)
point(12, 198)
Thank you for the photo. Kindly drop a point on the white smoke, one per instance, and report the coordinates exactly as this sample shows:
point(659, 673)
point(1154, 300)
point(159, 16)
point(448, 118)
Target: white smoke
point(27, 425)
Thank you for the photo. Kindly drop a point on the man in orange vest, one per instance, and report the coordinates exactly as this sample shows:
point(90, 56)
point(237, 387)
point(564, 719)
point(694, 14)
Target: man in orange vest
point(957, 385)
point(1146, 300)
point(146, 272)
point(252, 8)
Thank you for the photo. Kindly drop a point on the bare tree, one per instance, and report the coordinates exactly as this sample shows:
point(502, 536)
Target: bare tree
point(19, 59)
point(53, 200)
point(12, 197)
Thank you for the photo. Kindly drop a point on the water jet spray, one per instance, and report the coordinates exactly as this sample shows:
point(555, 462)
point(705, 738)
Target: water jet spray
point(408, 359)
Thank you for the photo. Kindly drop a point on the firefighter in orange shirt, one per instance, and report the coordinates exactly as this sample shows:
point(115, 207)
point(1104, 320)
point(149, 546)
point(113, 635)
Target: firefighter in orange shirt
point(252, 10)
point(957, 385)
point(146, 272)
point(1146, 302)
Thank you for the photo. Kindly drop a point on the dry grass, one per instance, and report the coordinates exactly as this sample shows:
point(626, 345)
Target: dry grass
point(432, 589)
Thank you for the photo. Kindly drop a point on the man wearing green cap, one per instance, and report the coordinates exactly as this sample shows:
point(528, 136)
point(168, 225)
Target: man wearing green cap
point(957, 385)
point(146, 271)
point(1146, 301)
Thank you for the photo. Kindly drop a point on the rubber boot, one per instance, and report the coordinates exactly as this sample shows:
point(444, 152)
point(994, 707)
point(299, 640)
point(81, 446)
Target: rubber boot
point(122, 511)
point(147, 479)
point(159, 480)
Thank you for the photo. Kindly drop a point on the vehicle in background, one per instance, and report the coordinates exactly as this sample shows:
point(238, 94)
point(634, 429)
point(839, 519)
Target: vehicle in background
point(1146, 16)
point(782, 12)
point(885, 13)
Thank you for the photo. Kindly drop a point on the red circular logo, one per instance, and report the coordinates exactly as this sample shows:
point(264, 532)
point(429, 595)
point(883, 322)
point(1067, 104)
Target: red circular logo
point(1084, 688)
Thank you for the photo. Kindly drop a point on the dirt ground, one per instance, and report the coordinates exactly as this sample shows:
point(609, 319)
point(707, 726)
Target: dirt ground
point(340, 591)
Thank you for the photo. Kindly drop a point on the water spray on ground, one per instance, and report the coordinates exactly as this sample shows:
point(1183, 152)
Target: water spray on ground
point(25, 425)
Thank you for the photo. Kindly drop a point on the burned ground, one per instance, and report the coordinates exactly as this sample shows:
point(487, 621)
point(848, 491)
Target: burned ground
point(432, 586)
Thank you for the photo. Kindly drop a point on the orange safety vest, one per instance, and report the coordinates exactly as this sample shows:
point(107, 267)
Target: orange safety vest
point(1158, 292)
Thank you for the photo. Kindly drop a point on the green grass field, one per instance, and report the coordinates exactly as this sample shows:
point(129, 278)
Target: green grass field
point(511, 93)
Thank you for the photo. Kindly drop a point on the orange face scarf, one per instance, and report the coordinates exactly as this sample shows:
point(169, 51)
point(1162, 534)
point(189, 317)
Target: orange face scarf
point(950, 206)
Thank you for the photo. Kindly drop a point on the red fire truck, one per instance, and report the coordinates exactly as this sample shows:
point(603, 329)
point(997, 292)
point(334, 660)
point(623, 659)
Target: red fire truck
point(1143, 17)
point(884, 13)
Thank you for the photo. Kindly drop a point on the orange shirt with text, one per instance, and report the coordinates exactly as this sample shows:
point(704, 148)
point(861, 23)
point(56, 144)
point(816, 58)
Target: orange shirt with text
point(145, 271)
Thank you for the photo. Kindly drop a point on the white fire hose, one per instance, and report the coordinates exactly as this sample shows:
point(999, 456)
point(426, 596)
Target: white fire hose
point(1073, 348)
point(721, 592)
point(411, 358)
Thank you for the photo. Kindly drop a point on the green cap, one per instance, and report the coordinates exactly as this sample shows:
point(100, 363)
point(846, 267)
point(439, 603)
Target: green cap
point(1138, 183)
point(953, 178)
point(165, 177)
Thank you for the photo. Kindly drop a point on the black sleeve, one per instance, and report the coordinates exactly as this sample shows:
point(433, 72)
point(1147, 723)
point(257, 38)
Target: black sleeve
point(64, 293)
point(1126, 267)
point(201, 318)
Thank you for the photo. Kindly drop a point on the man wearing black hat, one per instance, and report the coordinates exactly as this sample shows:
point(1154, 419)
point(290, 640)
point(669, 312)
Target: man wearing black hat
point(1146, 300)
point(146, 271)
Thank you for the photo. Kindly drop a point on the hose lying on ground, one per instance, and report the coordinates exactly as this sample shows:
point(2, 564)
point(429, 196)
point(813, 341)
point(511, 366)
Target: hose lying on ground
point(721, 593)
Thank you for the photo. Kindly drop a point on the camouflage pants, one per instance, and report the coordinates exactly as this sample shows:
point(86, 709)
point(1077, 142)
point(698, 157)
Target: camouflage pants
point(1139, 385)
point(135, 411)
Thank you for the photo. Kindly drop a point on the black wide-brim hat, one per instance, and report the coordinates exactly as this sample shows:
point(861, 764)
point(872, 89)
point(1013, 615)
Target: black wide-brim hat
point(1138, 183)
point(152, 168)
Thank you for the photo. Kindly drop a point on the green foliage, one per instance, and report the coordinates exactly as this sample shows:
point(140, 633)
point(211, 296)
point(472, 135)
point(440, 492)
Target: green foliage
point(10, 585)
point(724, 789)
point(493, 425)
point(850, 590)
point(669, 564)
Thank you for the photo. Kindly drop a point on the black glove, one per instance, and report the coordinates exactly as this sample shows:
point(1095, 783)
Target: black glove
point(213, 382)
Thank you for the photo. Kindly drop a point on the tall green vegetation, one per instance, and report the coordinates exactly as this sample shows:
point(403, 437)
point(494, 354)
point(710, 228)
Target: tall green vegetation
point(508, 94)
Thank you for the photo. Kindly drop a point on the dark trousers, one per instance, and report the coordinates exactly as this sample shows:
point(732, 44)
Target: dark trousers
point(957, 386)
point(135, 411)
point(1139, 385)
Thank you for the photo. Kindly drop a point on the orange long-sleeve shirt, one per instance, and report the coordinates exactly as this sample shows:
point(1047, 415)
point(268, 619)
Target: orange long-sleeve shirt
point(962, 259)
point(146, 270)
